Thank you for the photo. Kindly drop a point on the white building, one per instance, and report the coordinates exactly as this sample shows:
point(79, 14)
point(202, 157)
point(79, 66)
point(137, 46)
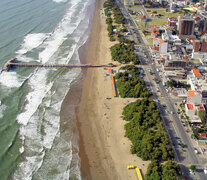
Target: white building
point(163, 47)
point(192, 111)
point(196, 80)
point(169, 37)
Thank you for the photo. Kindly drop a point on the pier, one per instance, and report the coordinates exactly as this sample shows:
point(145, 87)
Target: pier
point(13, 63)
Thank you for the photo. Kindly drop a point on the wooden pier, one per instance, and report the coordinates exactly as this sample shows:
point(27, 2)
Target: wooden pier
point(13, 63)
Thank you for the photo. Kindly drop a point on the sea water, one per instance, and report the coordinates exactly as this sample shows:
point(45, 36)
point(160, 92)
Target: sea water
point(39, 31)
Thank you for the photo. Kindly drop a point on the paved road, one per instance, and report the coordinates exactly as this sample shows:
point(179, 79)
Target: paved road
point(174, 129)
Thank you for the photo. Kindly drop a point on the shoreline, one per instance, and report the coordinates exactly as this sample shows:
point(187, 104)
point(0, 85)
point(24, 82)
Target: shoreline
point(104, 152)
point(103, 149)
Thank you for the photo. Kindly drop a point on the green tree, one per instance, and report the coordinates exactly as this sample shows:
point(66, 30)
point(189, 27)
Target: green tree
point(123, 53)
point(171, 171)
point(193, 167)
point(202, 116)
point(154, 171)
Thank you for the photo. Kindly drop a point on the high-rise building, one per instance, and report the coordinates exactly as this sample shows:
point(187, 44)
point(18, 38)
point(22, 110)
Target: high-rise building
point(203, 26)
point(186, 26)
point(199, 49)
point(196, 45)
point(204, 46)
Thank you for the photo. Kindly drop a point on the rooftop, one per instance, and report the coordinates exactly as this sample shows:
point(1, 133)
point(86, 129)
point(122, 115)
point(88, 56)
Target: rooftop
point(196, 72)
point(190, 106)
point(204, 134)
point(192, 93)
point(201, 107)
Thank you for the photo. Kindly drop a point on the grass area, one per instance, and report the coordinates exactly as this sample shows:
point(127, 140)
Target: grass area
point(141, 24)
point(157, 22)
point(146, 33)
point(164, 13)
point(150, 41)
point(136, 8)
point(196, 61)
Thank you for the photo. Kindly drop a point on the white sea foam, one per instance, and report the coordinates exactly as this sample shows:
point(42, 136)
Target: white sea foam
point(32, 41)
point(28, 169)
point(40, 119)
point(11, 79)
point(34, 98)
point(2, 108)
point(64, 28)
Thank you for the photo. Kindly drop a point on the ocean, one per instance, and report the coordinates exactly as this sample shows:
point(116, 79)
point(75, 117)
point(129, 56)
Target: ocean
point(32, 146)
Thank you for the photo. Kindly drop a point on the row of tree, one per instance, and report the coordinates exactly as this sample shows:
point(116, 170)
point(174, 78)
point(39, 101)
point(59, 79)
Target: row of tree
point(129, 84)
point(145, 128)
point(110, 6)
point(146, 132)
point(172, 83)
point(124, 51)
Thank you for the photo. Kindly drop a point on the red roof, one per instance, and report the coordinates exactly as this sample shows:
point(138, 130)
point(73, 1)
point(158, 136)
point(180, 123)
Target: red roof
point(197, 18)
point(204, 134)
point(190, 106)
point(143, 17)
point(201, 107)
point(196, 72)
point(192, 93)
point(173, 19)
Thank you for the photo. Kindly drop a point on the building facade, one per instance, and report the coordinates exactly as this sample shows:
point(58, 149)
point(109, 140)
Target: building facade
point(186, 27)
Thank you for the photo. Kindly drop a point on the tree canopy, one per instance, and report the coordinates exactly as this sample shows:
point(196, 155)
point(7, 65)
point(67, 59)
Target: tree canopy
point(167, 171)
point(124, 53)
point(146, 131)
point(129, 84)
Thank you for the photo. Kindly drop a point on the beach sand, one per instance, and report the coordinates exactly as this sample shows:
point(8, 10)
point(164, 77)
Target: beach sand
point(104, 151)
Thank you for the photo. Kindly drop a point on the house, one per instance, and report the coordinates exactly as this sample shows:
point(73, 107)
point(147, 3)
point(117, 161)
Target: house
point(171, 38)
point(178, 74)
point(196, 80)
point(197, 19)
point(143, 18)
point(194, 97)
point(156, 43)
point(196, 73)
point(172, 21)
point(203, 135)
point(154, 30)
point(190, 110)
point(180, 92)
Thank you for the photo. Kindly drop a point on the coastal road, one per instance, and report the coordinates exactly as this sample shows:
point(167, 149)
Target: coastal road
point(176, 129)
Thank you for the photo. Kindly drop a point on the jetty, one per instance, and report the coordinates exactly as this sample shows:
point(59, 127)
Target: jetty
point(14, 63)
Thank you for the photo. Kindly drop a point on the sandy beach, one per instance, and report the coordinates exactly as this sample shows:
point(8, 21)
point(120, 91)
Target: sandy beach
point(104, 151)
